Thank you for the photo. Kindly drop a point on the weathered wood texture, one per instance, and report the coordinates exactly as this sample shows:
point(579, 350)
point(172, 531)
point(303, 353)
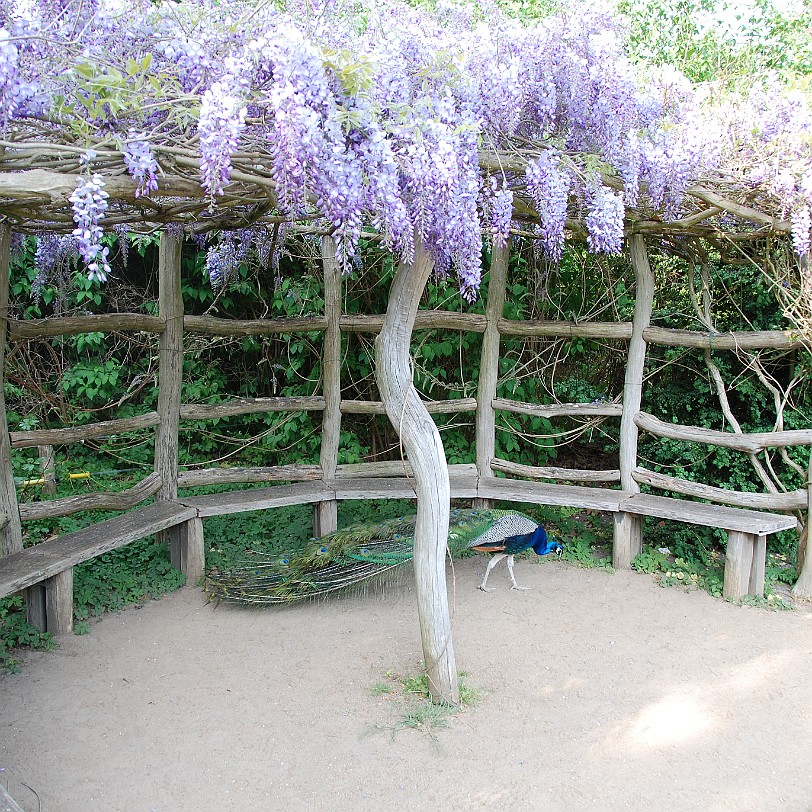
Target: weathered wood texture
point(794, 500)
point(738, 564)
point(186, 549)
point(550, 472)
point(76, 434)
point(47, 463)
point(238, 406)
point(754, 340)
point(424, 449)
point(221, 504)
point(233, 476)
point(11, 534)
point(170, 364)
point(460, 487)
point(566, 329)
point(681, 510)
point(211, 325)
point(559, 409)
point(395, 468)
point(627, 539)
point(543, 493)
point(489, 365)
point(74, 325)
point(44, 560)
point(635, 364)
point(432, 406)
point(748, 443)
point(68, 505)
point(424, 320)
point(59, 603)
point(325, 514)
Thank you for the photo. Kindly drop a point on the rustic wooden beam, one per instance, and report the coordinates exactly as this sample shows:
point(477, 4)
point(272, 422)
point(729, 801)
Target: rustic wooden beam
point(68, 505)
point(547, 472)
point(75, 325)
point(11, 534)
point(211, 325)
point(794, 500)
point(325, 514)
point(76, 434)
point(751, 443)
point(628, 531)
point(616, 331)
point(424, 448)
point(432, 406)
point(425, 320)
point(239, 406)
point(753, 340)
point(233, 476)
point(170, 364)
point(559, 409)
point(489, 366)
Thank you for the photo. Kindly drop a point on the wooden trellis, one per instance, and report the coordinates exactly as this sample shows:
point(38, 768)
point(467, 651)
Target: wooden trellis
point(326, 483)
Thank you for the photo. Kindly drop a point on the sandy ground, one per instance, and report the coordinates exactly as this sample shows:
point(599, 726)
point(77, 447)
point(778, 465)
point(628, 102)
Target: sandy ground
point(597, 691)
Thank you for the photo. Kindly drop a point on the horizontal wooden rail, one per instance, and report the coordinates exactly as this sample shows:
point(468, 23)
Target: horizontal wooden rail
point(76, 434)
point(755, 340)
point(748, 443)
point(232, 408)
point(559, 409)
point(566, 329)
point(562, 474)
point(211, 325)
point(794, 500)
point(426, 320)
point(73, 325)
point(69, 505)
point(433, 406)
point(233, 476)
point(395, 468)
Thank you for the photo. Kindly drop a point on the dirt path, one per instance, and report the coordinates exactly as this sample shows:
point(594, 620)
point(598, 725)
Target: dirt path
point(598, 691)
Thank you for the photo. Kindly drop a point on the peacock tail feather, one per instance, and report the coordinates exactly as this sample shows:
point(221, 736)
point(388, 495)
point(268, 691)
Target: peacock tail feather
point(352, 556)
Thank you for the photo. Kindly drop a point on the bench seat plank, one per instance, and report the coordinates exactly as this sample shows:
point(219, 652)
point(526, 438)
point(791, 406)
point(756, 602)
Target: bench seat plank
point(42, 561)
point(221, 504)
point(681, 510)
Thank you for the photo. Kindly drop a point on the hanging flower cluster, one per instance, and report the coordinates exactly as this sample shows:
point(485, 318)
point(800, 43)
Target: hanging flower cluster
point(141, 164)
point(89, 203)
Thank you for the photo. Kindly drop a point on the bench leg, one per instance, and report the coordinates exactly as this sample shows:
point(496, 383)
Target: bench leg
point(739, 564)
point(325, 518)
point(49, 605)
point(628, 539)
point(759, 565)
point(186, 549)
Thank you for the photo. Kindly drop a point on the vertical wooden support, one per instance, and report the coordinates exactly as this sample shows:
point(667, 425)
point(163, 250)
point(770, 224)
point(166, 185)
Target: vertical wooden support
point(170, 365)
point(803, 586)
point(325, 514)
point(489, 368)
point(48, 466)
point(628, 534)
point(11, 535)
point(186, 549)
point(59, 603)
point(756, 581)
point(738, 564)
point(421, 440)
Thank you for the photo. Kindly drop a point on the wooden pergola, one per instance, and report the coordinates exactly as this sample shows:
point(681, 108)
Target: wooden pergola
point(36, 181)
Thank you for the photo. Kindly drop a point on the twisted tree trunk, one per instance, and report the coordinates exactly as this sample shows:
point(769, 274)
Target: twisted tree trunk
point(424, 449)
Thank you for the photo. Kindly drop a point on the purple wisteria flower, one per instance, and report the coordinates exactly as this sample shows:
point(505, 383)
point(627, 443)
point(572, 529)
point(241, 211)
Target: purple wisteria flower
point(89, 203)
point(9, 77)
point(801, 227)
point(549, 185)
point(604, 221)
point(141, 164)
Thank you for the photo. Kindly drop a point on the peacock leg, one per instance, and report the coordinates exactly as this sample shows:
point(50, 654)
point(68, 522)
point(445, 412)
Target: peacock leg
point(491, 564)
point(512, 576)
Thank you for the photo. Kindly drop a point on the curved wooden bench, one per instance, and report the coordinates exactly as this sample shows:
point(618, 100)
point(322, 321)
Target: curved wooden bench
point(45, 569)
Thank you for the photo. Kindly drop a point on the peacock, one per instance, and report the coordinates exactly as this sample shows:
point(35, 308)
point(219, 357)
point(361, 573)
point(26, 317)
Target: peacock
point(350, 557)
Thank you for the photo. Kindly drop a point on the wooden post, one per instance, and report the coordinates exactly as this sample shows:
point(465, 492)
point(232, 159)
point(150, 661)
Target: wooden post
point(489, 368)
point(424, 448)
point(170, 381)
point(738, 564)
point(170, 365)
point(325, 514)
point(803, 586)
point(11, 535)
point(186, 549)
point(628, 531)
point(59, 603)
point(47, 464)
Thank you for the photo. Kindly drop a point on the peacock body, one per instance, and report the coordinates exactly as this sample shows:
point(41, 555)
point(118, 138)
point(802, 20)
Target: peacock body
point(352, 556)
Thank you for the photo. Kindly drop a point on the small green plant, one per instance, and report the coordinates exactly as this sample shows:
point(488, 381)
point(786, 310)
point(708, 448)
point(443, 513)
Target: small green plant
point(16, 632)
point(412, 703)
